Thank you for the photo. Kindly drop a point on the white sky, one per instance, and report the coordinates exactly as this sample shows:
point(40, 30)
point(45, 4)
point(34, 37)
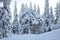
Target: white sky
point(41, 4)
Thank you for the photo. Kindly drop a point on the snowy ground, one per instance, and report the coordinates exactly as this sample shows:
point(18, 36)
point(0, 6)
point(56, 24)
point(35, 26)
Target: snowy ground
point(53, 35)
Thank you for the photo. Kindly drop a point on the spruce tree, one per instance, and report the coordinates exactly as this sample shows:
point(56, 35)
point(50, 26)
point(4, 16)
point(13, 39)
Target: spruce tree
point(15, 23)
point(57, 15)
point(6, 17)
point(46, 16)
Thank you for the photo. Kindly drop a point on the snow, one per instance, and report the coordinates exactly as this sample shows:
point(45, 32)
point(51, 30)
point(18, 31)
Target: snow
point(53, 35)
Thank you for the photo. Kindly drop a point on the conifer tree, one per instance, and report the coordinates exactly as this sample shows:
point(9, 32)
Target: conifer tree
point(46, 16)
point(6, 17)
point(15, 24)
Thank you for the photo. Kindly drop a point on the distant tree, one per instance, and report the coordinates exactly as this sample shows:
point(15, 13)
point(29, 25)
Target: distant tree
point(57, 21)
point(15, 24)
point(46, 16)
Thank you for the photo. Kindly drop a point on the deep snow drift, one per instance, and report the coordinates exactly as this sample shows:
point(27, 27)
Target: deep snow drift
point(53, 35)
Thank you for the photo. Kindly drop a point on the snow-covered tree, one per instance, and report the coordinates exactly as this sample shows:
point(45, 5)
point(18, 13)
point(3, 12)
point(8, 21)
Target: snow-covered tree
point(57, 11)
point(38, 12)
point(57, 21)
point(30, 7)
point(46, 16)
point(6, 5)
point(5, 21)
point(26, 7)
point(22, 7)
point(29, 19)
point(34, 7)
point(51, 22)
point(5, 17)
point(1, 22)
point(15, 24)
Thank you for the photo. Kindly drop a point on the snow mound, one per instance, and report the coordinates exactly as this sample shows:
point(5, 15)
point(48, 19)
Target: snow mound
point(53, 35)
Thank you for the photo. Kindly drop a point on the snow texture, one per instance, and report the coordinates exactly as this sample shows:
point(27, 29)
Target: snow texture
point(53, 35)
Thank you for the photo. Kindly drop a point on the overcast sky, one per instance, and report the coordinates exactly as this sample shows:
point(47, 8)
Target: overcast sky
point(41, 4)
